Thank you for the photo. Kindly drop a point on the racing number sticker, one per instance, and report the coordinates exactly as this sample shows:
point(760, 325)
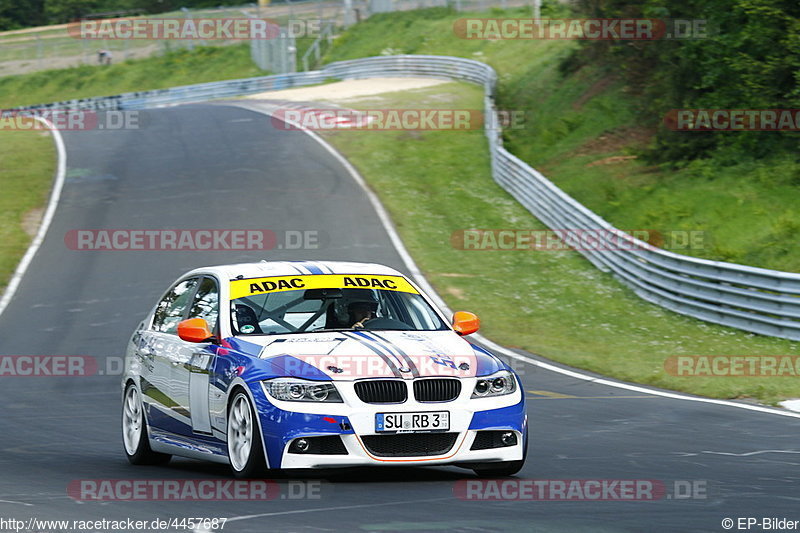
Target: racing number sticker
point(241, 288)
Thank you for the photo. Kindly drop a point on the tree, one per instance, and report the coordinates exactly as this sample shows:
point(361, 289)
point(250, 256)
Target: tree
point(60, 11)
point(750, 59)
point(15, 14)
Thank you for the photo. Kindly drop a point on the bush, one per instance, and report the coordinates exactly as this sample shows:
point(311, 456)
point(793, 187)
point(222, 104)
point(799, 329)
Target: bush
point(750, 59)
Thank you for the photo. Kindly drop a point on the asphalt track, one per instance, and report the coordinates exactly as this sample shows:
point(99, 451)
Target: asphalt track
point(217, 166)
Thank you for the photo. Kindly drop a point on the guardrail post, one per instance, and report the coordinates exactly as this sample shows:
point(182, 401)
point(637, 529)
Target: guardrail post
point(187, 14)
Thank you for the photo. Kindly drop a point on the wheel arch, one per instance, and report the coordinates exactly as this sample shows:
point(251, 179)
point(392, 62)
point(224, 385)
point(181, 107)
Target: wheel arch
point(236, 385)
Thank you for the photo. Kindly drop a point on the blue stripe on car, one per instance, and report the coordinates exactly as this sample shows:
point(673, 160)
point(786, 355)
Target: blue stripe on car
point(370, 343)
point(387, 344)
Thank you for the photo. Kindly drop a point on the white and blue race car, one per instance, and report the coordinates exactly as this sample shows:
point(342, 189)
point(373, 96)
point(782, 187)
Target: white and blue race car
point(295, 365)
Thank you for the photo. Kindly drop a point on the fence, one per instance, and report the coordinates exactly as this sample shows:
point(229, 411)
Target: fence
point(52, 47)
point(315, 51)
point(752, 299)
point(276, 55)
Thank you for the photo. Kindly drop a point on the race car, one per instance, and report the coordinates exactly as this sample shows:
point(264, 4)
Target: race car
point(299, 364)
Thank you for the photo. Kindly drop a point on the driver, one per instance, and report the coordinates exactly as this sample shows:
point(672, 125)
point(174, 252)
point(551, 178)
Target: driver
point(356, 307)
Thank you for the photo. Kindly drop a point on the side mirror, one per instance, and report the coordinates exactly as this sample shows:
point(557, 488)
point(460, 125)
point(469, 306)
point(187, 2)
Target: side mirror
point(194, 330)
point(465, 323)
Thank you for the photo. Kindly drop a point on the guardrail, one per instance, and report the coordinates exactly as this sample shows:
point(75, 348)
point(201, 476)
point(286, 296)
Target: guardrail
point(752, 299)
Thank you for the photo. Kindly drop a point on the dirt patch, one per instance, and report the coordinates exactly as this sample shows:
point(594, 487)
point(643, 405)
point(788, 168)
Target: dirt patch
point(24, 66)
point(31, 221)
point(598, 87)
point(456, 292)
point(616, 140)
point(36, 29)
point(611, 160)
point(348, 90)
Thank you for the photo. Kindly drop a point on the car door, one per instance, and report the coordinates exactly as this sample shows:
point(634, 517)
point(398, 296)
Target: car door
point(168, 352)
point(195, 375)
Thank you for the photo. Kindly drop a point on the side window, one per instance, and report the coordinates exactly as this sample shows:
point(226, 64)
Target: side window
point(170, 310)
point(206, 302)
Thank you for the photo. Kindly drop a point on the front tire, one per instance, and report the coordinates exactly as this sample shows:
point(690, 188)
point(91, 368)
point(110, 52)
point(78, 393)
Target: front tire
point(245, 451)
point(504, 469)
point(135, 439)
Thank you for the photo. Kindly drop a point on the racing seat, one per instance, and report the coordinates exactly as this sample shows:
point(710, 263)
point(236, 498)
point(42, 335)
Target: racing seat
point(245, 316)
point(331, 322)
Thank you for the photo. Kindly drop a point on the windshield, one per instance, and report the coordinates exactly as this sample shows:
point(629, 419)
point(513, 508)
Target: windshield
point(300, 304)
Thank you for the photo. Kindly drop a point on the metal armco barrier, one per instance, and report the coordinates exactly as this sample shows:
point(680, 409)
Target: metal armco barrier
point(752, 299)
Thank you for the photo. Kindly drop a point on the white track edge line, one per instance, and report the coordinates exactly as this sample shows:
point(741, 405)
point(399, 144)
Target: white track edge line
point(55, 196)
point(339, 508)
point(412, 267)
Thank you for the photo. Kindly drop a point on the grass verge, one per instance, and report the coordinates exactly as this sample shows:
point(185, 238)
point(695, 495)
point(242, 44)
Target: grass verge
point(554, 303)
point(27, 164)
point(584, 131)
point(203, 64)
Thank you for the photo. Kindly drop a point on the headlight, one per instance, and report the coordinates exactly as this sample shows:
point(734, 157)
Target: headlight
point(299, 390)
point(498, 384)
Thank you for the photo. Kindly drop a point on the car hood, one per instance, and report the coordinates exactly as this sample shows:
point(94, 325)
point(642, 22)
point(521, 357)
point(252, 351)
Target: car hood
point(362, 354)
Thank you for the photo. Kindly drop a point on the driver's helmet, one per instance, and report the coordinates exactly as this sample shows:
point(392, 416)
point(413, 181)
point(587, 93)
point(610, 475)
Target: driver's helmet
point(351, 300)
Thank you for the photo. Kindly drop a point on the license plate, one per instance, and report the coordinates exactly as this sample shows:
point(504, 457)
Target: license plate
point(430, 421)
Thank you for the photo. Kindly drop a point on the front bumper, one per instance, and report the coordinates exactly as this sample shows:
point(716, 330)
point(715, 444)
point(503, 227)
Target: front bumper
point(354, 423)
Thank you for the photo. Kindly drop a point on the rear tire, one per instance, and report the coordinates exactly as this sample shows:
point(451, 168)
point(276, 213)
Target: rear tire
point(245, 449)
point(135, 439)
